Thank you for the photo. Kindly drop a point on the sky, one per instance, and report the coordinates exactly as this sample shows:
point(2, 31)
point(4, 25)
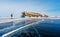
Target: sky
point(16, 7)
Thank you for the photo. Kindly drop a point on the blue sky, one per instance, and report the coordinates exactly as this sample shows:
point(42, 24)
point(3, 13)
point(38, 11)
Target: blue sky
point(49, 7)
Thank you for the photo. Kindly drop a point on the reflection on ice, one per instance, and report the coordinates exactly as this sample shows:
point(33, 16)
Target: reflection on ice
point(40, 29)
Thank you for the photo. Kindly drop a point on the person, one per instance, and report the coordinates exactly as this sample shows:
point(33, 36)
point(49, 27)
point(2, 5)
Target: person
point(11, 16)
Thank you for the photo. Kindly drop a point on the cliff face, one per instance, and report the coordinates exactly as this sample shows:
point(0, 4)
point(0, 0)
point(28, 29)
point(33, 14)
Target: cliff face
point(32, 14)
